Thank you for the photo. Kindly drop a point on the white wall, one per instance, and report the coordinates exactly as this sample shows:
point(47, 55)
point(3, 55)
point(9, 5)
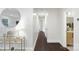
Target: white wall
point(76, 29)
point(53, 26)
point(62, 26)
point(26, 24)
point(35, 29)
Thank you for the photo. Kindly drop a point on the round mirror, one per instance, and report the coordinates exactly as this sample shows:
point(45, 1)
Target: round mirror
point(10, 17)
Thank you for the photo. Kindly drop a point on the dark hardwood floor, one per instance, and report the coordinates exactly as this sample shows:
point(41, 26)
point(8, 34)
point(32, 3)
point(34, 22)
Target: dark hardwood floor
point(43, 45)
point(56, 47)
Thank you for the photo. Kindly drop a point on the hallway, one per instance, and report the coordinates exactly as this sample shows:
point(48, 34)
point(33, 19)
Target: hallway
point(43, 45)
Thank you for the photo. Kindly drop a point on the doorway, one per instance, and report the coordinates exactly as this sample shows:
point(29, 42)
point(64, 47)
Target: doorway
point(39, 24)
point(69, 32)
point(42, 20)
